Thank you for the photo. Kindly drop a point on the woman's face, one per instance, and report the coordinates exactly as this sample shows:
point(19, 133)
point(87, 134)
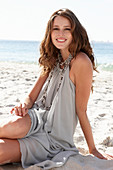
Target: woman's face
point(61, 33)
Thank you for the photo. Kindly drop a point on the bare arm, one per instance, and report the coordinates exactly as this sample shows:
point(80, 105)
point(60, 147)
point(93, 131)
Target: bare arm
point(83, 72)
point(22, 108)
point(35, 91)
point(83, 80)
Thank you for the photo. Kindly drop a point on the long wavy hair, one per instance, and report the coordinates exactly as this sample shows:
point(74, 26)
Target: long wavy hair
point(80, 41)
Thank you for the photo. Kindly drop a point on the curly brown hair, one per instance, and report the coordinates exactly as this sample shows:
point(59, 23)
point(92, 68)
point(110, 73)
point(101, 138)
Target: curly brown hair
point(80, 41)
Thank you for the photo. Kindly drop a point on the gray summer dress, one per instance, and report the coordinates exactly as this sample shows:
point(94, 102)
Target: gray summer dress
point(49, 142)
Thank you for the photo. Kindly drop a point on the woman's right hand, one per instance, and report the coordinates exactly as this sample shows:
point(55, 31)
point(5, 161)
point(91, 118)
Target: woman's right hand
point(20, 110)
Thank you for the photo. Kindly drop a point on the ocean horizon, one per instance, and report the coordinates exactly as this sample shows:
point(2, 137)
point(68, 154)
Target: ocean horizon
point(27, 51)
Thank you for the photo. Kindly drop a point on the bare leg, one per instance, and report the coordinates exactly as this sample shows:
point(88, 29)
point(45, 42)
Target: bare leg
point(9, 151)
point(15, 127)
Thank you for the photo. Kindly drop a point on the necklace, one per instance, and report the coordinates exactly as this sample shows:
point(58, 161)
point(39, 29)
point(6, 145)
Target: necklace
point(65, 64)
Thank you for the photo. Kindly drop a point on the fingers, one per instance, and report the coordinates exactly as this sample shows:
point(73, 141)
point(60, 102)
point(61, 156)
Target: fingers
point(20, 110)
point(24, 109)
point(11, 111)
point(108, 157)
point(100, 156)
point(105, 156)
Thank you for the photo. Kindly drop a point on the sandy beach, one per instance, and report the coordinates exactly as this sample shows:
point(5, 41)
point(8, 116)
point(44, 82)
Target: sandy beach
point(17, 79)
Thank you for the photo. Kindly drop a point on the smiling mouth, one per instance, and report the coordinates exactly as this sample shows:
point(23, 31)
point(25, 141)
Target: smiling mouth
point(61, 40)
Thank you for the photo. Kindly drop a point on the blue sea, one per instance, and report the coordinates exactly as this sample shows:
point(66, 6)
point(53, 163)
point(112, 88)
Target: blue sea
point(28, 52)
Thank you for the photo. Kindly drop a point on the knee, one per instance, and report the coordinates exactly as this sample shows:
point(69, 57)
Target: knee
point(10, 128)
point(11, 125)
point(16, 127)
point(18, 123)
point(21, 126)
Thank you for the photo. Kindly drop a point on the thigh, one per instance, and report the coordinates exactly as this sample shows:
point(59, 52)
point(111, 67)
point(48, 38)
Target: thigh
point(15, 127)
point(9, 151)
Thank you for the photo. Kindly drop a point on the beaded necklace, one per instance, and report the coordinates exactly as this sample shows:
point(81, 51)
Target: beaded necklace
point(59, 66)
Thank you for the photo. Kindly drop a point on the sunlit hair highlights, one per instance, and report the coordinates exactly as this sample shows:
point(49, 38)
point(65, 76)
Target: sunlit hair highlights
point(80, 41)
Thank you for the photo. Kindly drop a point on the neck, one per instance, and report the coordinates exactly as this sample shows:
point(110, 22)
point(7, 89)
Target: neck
point(65, 54)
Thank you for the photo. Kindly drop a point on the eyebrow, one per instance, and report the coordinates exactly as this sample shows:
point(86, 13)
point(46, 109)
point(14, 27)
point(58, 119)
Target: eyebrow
point(64, 26)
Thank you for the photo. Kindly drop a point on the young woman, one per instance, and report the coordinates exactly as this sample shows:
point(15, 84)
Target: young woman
point(42, 127)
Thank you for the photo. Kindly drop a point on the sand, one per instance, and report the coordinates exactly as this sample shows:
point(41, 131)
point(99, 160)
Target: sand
point(16, 80)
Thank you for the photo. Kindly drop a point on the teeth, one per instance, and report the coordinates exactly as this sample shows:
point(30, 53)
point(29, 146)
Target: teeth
point(60, 40)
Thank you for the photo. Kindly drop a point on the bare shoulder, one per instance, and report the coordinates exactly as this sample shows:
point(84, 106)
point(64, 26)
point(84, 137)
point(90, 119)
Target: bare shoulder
point(82, 60)
point(80, 66)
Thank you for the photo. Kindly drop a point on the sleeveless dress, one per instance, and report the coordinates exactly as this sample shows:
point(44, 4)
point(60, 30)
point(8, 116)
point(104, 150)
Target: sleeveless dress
point(49, 142)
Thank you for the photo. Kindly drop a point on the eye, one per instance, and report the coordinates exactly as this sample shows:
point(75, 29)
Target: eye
point(68, 29)
point(56, 28)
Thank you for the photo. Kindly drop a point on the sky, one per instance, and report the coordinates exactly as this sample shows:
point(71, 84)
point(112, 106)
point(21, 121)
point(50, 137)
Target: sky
point(27, 19)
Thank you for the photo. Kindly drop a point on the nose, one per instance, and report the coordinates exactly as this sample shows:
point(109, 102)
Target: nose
point(61, 32)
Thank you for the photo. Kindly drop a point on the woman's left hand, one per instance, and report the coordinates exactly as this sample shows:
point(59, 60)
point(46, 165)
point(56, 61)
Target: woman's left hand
point(96, 153)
